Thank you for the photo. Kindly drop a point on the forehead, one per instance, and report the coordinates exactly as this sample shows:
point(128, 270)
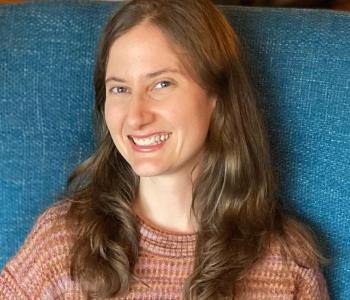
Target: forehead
point(141, 41)
point(146, 46)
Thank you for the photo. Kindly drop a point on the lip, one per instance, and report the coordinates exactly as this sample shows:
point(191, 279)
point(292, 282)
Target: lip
point(138, 136)
point(150, 148)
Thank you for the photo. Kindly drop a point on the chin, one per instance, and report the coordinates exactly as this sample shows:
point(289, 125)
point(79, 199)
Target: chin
point(146, 173)
point(147, 170)
point(148, 167)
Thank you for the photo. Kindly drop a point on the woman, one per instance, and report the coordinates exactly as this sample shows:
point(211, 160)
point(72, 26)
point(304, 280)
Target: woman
point(178, 200)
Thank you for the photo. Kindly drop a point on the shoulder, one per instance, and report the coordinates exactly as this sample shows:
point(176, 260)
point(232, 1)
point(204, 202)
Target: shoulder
point(279, 275)
point(49, 228)
point(52, 216)
point(44, 256)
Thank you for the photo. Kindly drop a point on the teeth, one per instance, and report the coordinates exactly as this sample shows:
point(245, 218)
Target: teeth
point(154, 140)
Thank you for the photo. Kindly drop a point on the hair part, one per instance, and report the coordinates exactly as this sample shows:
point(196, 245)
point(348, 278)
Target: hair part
point(234, 194)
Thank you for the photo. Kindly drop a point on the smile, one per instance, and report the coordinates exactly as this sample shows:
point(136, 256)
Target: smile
point(150, 140)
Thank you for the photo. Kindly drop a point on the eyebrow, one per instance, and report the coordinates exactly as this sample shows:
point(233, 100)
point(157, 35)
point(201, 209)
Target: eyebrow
point(149, 75)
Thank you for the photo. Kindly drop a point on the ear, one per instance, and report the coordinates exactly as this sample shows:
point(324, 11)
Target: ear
point(213, 100)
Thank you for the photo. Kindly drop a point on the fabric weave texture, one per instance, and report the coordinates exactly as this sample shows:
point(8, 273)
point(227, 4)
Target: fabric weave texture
point(40, 270)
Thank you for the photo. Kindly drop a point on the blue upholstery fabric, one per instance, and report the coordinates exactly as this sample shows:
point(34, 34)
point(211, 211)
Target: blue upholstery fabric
point(300, 64)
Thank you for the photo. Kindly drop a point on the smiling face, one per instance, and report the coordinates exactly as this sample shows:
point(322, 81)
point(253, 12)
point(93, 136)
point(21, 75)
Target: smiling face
point(157, 114)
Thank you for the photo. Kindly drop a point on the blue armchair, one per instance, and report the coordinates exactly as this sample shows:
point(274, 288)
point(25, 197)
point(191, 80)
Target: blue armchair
point(299, 61)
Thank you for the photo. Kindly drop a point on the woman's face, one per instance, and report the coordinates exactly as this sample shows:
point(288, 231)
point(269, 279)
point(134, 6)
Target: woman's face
point(157, 115)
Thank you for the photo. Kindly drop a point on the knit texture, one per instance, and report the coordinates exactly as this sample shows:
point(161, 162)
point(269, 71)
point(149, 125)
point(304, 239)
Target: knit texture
point(40, 270)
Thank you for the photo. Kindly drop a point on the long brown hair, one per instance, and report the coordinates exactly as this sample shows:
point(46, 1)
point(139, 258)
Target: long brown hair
point(234, 194)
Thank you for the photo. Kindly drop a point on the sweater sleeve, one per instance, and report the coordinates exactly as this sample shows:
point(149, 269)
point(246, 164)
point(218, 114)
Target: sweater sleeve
point(41, 260)
point(311, 286)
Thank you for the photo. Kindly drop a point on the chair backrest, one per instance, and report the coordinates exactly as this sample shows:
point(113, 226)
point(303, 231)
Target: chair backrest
point(299, 61)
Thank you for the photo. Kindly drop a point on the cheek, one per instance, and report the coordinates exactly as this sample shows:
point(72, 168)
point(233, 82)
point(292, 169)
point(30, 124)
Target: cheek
point(193, 125)
point(201, 123)
point(113, 120)
point(111, 116)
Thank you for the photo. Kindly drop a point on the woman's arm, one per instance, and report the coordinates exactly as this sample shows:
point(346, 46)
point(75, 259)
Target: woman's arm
point(36, 271)
point(311, 286)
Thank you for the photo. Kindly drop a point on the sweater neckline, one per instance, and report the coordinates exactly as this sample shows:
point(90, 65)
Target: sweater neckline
point(165, 243)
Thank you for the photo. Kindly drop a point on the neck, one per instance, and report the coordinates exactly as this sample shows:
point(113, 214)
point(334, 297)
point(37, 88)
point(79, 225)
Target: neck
point(166, 203)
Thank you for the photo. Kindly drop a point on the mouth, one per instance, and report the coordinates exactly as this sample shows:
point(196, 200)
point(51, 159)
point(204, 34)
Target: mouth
point(150, 140)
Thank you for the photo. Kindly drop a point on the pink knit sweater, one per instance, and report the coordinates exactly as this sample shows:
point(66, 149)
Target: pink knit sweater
point(40, 270)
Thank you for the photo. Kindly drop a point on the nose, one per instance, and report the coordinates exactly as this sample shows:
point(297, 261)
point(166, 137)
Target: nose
point(139, 112)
